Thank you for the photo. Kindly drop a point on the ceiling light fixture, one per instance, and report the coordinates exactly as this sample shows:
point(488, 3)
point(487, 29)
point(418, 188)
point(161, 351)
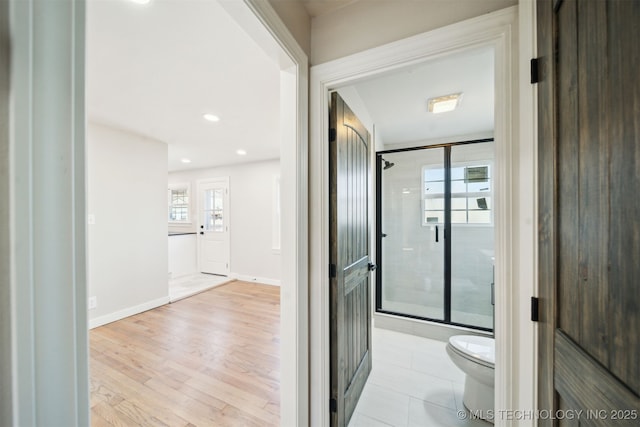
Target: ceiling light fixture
point(185, 160)
point(141, 1)
point(445, 103)
point(211, 117)
point(241, 152)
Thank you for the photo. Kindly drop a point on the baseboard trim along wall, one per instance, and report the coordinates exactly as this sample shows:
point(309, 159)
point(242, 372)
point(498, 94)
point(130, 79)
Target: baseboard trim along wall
point(121, 314)
point(261, 280)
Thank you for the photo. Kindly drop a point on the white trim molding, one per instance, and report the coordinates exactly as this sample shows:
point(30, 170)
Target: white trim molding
point(499, 30)
point(294, 295)
point(527, 218)
point(48, 214)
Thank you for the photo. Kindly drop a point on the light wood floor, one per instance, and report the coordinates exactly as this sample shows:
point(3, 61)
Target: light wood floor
point(209, 360)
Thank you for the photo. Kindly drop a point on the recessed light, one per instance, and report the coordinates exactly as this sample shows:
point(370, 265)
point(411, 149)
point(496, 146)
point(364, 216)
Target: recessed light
point(141, 1)
point(211, 117)
point(185, 160)
point(241, 152)
point(445, 103)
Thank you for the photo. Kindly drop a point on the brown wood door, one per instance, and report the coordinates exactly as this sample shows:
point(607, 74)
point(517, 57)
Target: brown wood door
point(589, 241)
point(350, 293)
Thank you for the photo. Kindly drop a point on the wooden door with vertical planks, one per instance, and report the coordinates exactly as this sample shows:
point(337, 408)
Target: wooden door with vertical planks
point(350, 292)
point(589, 213)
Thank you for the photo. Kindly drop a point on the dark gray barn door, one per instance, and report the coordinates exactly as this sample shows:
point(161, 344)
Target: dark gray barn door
point(589, 247)
point(350, 292)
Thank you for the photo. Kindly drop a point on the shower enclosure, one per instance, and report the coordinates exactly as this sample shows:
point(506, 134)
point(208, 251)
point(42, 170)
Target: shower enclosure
point(435, 233)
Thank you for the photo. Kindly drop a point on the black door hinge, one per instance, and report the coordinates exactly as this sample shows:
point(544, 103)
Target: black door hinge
point(332, 270)
point(332, 135)
point(333, 405)
point(535, 70)
point(372, 266)
point(535, 309)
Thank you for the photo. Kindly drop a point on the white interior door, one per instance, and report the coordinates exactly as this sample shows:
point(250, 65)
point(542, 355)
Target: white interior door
point(213, 218)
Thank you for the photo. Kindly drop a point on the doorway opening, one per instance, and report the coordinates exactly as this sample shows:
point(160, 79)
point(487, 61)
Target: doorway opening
point(176, 100)
point(494, 31)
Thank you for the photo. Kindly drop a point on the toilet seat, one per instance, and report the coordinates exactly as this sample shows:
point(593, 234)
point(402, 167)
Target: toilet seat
point(476, 349)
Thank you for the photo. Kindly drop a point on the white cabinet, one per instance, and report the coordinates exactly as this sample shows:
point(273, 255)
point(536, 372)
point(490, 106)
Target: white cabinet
point(182, 255)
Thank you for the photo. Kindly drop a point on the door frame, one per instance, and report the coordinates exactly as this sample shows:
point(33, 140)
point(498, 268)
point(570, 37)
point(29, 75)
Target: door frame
point(515, 237)
point(224, 180)
point(52, 319)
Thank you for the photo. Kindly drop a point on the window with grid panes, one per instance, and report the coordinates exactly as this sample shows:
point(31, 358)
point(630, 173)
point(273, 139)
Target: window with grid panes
point(471, 201)
point(179, 204)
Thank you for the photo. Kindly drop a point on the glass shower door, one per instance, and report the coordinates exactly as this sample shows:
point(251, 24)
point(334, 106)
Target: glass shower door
point(436, 233)
point(411, 233)
point(472, 234)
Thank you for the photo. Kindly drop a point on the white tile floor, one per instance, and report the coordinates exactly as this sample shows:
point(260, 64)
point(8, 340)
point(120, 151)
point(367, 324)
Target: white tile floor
point(413, 383)
point(186, 286)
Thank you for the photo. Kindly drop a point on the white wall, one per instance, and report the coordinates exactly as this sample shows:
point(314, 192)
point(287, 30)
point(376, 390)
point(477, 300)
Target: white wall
point(366, 24)
point(127, 245)
point(251, 208)
point(296, 19)
point(5, 297)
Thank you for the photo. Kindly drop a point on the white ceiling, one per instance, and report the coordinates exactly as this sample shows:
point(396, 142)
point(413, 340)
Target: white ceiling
point(397, 102)
point(155, 69)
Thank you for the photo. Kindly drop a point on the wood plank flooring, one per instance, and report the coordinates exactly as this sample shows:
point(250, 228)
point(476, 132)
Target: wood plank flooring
point(209, 360)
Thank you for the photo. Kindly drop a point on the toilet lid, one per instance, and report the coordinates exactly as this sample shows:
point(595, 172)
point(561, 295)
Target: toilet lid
point(482, 348)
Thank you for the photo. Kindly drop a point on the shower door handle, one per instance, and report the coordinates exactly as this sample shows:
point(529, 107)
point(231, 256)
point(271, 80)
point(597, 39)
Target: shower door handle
point(437, 234)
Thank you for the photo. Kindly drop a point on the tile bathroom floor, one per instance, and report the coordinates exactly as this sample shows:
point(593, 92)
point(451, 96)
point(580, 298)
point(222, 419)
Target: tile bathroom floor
point(413, 383)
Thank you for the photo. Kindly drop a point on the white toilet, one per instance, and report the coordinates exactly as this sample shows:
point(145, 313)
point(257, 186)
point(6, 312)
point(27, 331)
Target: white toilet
point(476, 357)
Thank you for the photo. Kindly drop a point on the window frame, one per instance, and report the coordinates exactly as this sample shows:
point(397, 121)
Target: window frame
point(466, 195)
point(170, 205)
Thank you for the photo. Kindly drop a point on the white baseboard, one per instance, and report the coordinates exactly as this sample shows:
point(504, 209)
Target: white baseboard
point(121, 314)
point(261, 280)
